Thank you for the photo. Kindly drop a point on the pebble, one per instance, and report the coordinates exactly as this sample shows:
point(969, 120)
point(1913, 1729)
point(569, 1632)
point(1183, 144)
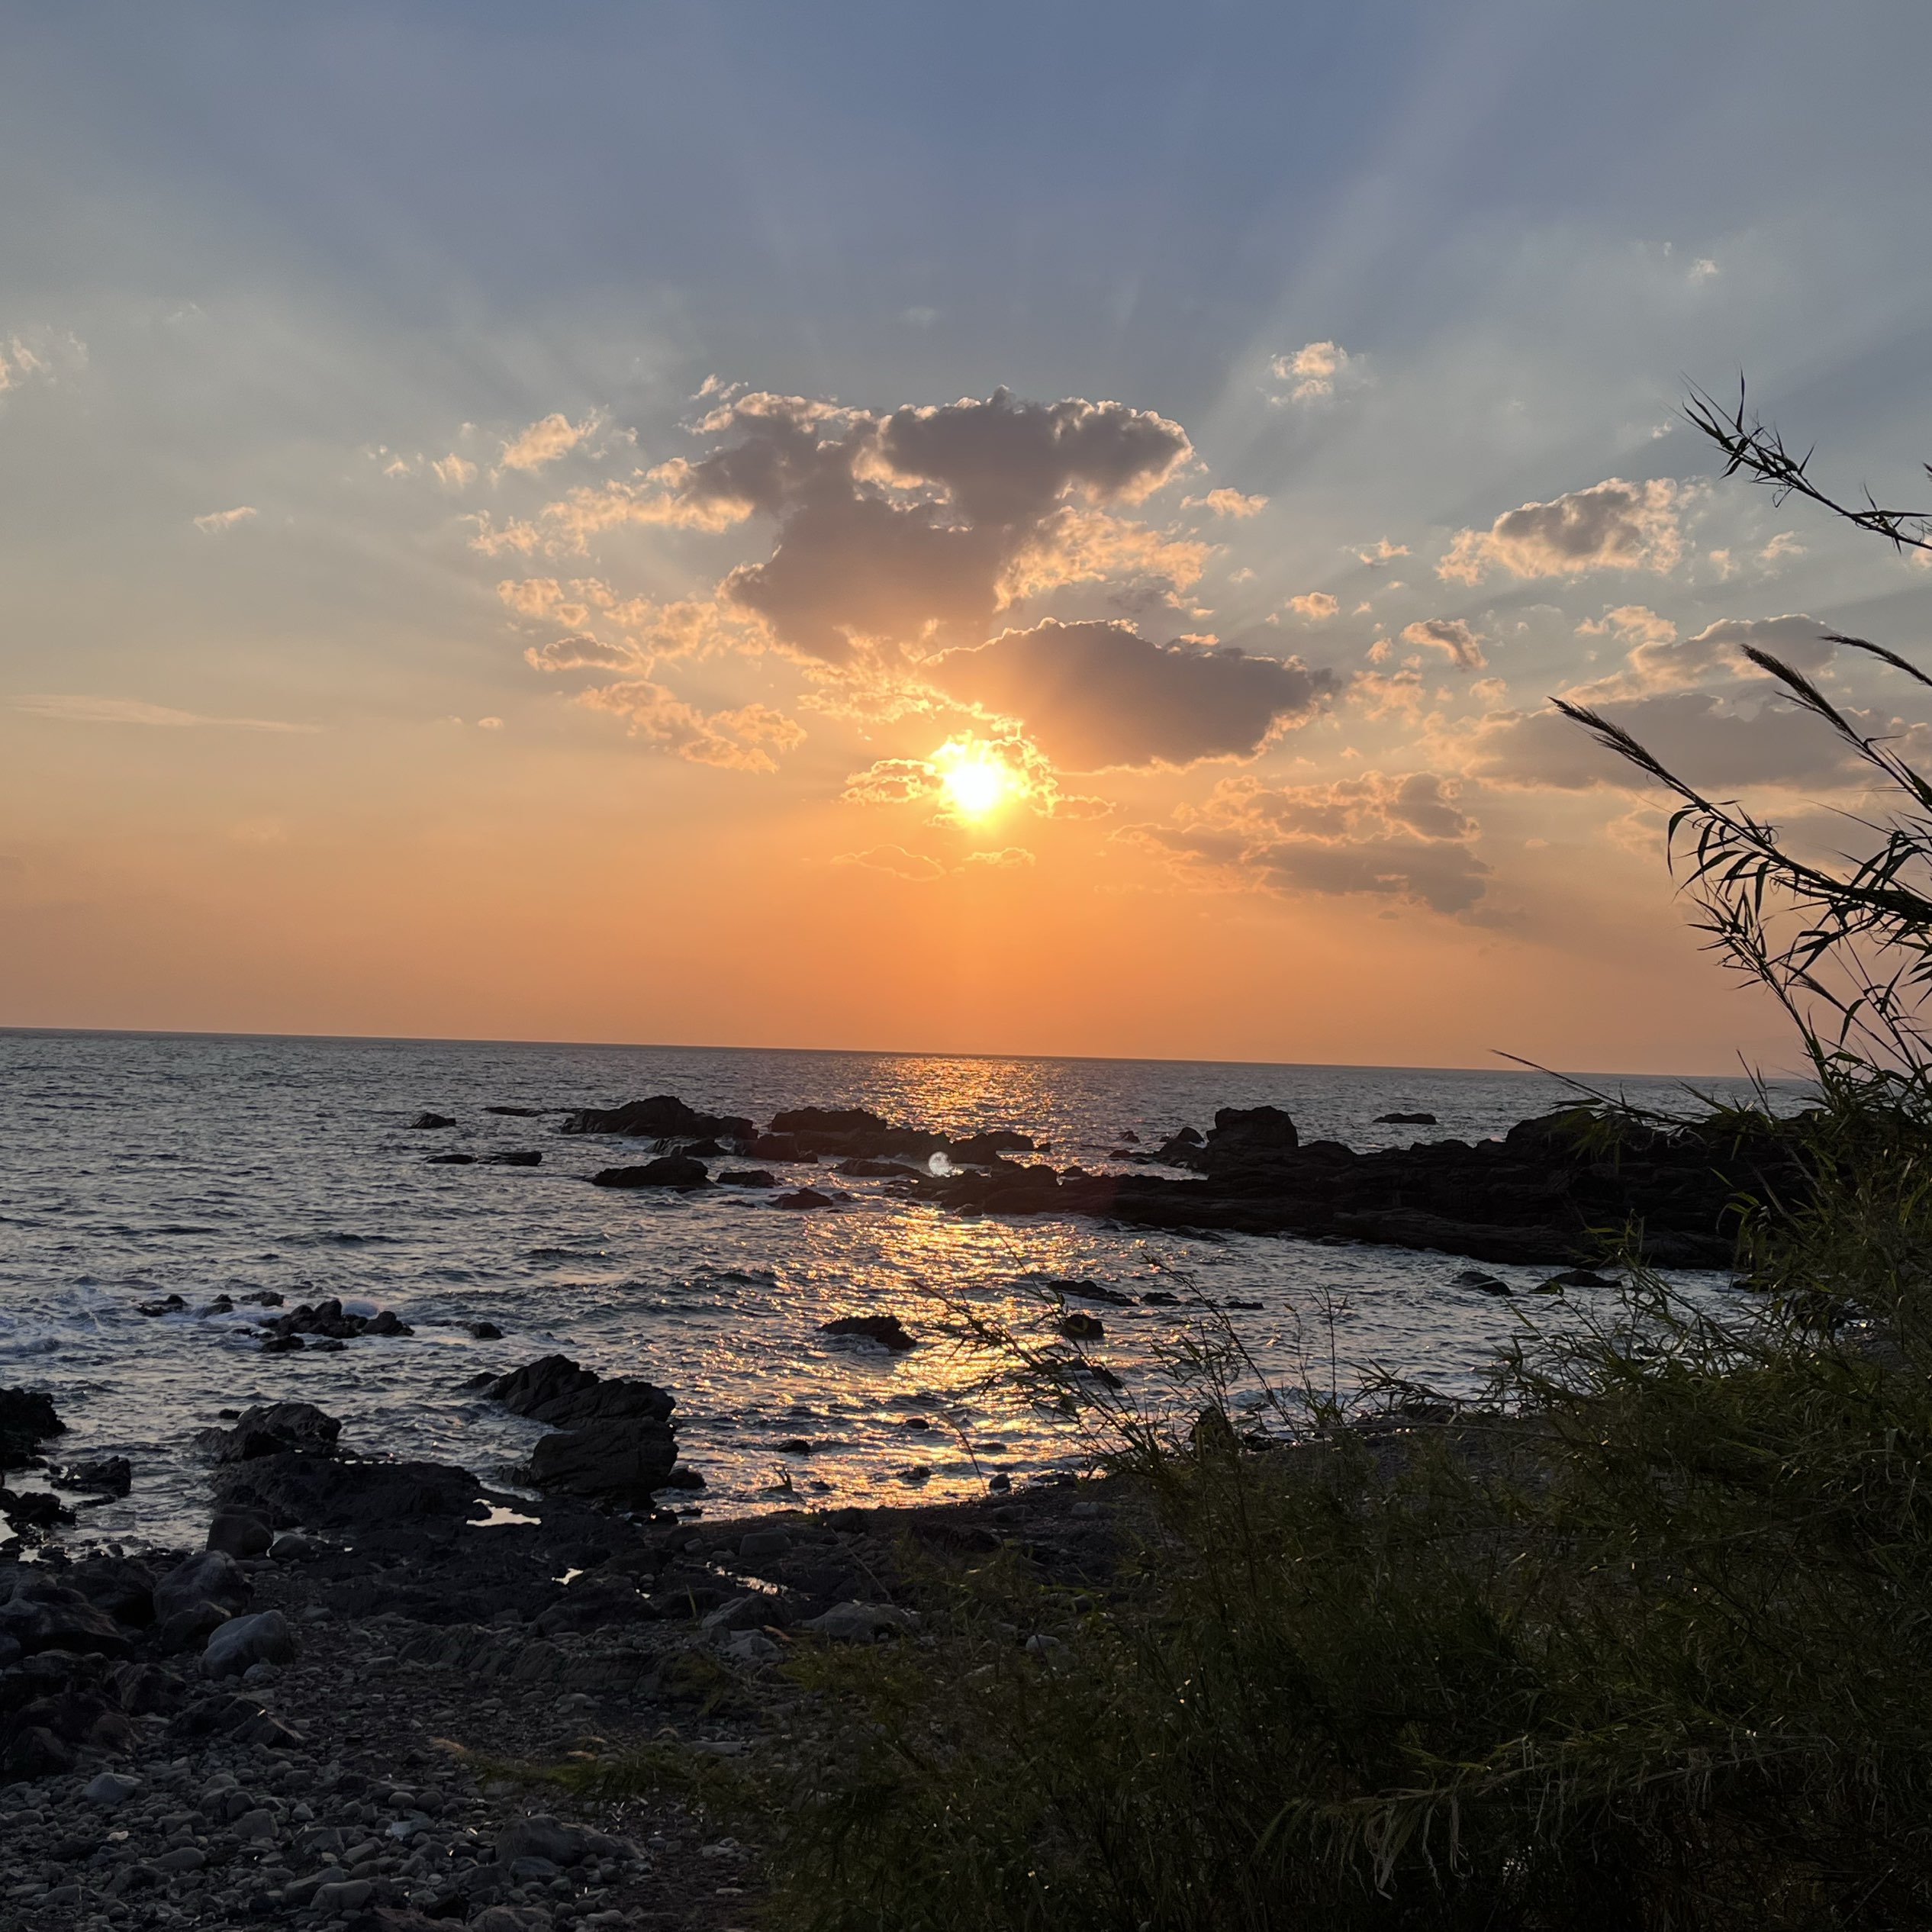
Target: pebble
point(111, 1788)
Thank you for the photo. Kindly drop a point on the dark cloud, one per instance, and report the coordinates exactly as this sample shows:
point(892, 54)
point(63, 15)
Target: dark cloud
point(915, 527)
point(1097, 695)
point(1005, 462)
point(1449, 634)
point(1383, 835)
point(1714, 745)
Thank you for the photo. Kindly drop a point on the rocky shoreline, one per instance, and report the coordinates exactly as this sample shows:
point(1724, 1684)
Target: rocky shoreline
point(297, 1724)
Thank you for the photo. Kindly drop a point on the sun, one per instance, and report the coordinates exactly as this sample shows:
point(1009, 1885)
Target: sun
point(977, 780)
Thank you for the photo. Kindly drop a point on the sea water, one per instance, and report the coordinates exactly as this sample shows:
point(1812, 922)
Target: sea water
point(133, 1166)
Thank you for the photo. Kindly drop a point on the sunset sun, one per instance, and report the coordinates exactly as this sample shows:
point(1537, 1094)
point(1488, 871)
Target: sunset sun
point(977, 781)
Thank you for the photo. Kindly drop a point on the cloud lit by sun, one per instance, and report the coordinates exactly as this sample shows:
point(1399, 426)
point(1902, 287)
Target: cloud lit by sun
point(976, 779)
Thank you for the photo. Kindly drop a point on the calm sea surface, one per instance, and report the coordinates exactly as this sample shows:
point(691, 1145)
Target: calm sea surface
point(136, 1166)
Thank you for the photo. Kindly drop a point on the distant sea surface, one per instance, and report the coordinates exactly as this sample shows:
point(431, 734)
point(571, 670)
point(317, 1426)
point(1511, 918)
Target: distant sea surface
point(133, 1167)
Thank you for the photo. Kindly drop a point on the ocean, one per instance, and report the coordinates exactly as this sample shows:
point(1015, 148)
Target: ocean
point(133, 1166)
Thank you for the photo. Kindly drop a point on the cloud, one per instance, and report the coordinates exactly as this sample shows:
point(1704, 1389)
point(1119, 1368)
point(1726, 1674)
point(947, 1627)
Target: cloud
point(1098, 695)
point(1315, 606)
point(1714, 745)
point(1611, 526)
point(217, 521)
point(1659, 661)
point(1450, 635)
point(1385, 835)
point(1381, 552)
point(1316, 370)
point(134, 711)
point(581, 652)
point(922, 871)
point(453, 472)
point(1227, 503)
point(895, 859)
point(22, 361)
point(909, 528)
point(489, 724)
point(546, 439)
point(737, 740)
point(645, 631)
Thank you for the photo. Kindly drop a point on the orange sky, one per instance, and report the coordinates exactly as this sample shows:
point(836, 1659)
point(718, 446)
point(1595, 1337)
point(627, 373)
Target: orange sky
point(462, 582)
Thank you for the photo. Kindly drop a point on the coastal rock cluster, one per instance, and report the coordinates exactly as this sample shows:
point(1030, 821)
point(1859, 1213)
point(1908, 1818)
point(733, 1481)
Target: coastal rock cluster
point(1556, 1189)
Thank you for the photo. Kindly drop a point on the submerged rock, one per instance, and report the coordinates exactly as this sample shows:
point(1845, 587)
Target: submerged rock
point(430, 1121)
point(664, 1117)
point(887, 1330)
point(1405, 1120)
point(802, 1198)
point(677, 1170)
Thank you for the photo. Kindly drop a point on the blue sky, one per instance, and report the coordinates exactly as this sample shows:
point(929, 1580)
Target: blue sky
point(282, 262)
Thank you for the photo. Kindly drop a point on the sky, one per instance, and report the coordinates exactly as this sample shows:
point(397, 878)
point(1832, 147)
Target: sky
point(1024, 528)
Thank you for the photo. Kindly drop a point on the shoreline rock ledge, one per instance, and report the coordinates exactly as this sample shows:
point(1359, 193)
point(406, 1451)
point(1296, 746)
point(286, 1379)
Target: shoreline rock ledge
point(1554, 1189)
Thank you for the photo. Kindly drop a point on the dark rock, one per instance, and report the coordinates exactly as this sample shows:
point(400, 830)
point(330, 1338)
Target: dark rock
point(298, 1489)
point(188, 1628)
point(42, 1614)
point(1077, 1326)
point(663, 1118)
point(1487, 1284)
point(243, 1641)
point(887, 1330)
point(865, 1167)
point(114, 1476)
point(518, 1157)
point(1090, 1291)
point(171, 1305)
point(521, 1113)
point(237, 1534)
point(1250, 1129)
point(747, 1177)
point(212, 1577)
point(33, 1509)
point(1405, 1120)
point(1580, 1278)
point(36, 1752)
point(121, 1587)
point(684, 1477)
point(802, 1198)
point(282, 1345)
point(976, 1148)
point(433, 1120)
point(556, 1390)
point(542, 1838)
point(780, 1147)
point(484, 1331)
point(676, 1170)
point(451, 1160)
point(267, 1429)
point(620, 1462)
point(796, 1446)
point(1159, 1298)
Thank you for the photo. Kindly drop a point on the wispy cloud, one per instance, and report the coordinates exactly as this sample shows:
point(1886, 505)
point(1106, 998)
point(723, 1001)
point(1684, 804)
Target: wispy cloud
point(217, 521)
point(75, 709)
point(546, 440)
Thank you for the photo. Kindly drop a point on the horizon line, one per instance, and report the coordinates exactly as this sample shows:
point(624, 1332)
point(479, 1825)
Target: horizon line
point(1518, 1071)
